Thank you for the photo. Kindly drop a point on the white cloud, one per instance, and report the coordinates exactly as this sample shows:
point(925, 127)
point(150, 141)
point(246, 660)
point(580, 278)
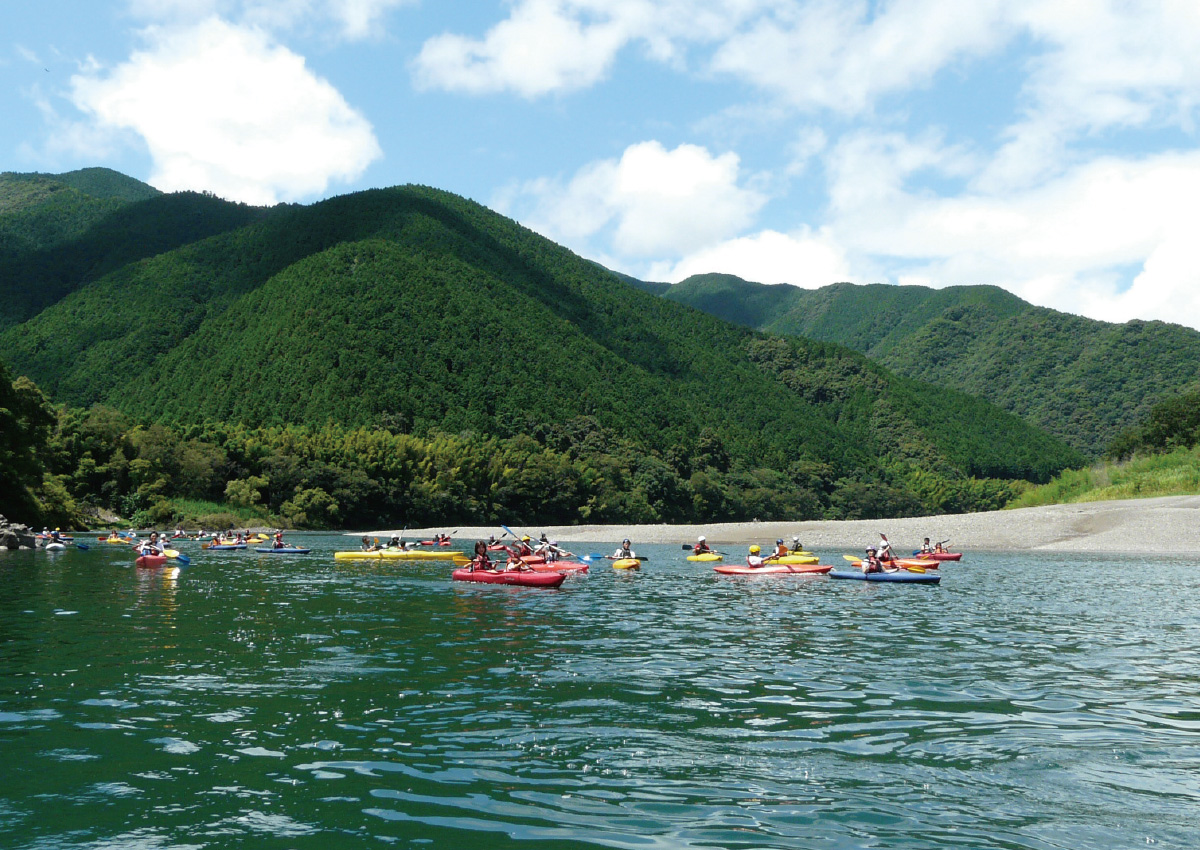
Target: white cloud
point(225, 109)
point(355, 19)
point(806, 258)
point(650, 202)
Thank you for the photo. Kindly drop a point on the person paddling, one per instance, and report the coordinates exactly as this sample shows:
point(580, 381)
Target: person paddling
point(701, 547)
point(481, 561)
point(797, 546)
point(755, 560)
point(625, 552)
point(279, 540)
point(781, 550)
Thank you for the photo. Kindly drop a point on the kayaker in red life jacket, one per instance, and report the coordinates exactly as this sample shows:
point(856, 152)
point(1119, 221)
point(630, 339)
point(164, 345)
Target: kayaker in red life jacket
point(885, 548)
point(873, 564)
point(515, 564)
point(701, 546)
point(481, 561)
point(525, 548)
point(279, 540)
point(754, 559)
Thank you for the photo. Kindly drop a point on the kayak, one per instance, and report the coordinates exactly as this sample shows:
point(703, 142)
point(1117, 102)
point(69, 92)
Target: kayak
point(560, 567)
point(226, 546)
point(940, 556)
point(54, 547)
point(113, 540)
point(773, 569)
point(902, 576)
point(520, 578)
point(920, 563)
point(800, 560)
point(398, 554)
point(150, 560)
point(705, 556)
point(286, 550)
point(627, 564)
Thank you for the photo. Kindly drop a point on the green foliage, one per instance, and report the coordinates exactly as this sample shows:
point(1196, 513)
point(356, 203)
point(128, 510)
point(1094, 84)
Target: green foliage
point(1081, 380)
point(407, 354)
point(1170, 424)
point(1175, 473)
point(25, 422)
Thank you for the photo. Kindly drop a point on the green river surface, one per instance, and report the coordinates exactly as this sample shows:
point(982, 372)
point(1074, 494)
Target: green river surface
point(1029, 701)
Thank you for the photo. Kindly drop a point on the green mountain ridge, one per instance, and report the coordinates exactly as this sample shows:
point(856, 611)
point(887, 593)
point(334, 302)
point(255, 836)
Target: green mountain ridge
point(415, 309)
point(1083, 380)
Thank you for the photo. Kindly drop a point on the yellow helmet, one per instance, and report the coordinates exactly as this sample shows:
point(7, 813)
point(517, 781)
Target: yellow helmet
point(526, 539)
point(754, 550)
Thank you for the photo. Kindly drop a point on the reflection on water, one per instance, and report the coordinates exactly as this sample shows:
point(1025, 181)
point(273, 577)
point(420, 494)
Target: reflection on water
point(1027, 702)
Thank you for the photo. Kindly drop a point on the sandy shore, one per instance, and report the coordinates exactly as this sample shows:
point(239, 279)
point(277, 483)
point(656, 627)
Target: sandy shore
point(1159, 526)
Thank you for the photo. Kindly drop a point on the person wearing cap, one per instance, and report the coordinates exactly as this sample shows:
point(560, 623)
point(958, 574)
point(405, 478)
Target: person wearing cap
point(701, 546)
point(755, 559)
point(873, 564)
point(885, 548)
point(624, 552)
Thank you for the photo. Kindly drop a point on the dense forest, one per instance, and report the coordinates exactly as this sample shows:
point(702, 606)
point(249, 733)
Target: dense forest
point(1084, 381)
point(408, 355)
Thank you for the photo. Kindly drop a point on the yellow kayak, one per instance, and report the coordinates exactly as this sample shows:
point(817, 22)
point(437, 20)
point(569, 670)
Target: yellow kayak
point(627, 564)
point(799, 560)
point(705, 556)
point(399, 555)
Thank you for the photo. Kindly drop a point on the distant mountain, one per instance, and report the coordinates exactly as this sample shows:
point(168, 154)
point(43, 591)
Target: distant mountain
point(416, 309)
point(1082, 380)
point(58, 232)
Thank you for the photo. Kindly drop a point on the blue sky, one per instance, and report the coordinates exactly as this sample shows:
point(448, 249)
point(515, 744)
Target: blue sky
point(1046, 146)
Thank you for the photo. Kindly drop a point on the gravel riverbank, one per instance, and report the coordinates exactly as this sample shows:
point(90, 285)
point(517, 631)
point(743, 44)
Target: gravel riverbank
point(1168, 525)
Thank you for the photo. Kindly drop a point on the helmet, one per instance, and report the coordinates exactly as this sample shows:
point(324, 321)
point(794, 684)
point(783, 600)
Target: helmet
point(872, 549)
point(553, 542)
point(526, 539)
point(700, 538)
point(625, 542)
point(754, 550)
point(796, 537)
point(780, 540)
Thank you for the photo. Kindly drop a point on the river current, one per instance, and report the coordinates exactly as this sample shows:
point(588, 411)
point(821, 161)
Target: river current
point(1029, 701)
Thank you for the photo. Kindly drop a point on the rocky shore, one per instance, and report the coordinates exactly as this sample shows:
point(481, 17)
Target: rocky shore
point(16, 536)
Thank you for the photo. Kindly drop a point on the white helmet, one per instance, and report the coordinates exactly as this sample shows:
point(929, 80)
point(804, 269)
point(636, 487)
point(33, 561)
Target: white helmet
point(700, 539)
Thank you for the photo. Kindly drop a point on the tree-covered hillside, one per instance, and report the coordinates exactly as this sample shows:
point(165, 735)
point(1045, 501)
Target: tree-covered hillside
point(417, 312)
point(1082, 380)
point(59, 232)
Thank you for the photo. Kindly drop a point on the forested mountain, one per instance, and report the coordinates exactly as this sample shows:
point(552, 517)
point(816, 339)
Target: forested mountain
point(417, 312)
point(1082, 380)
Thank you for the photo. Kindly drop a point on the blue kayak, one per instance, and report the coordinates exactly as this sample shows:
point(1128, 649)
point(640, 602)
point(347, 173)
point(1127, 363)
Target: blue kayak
point(286, 550)
point(902, 576)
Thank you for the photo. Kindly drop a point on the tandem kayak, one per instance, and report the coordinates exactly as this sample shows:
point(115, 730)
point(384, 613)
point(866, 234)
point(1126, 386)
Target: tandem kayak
point(705, 556)
point(902, 576)
point(150, 560)
point(939, 556)
point(773, 569)
point(627, 564)
point(521, 578)
point(285, 550)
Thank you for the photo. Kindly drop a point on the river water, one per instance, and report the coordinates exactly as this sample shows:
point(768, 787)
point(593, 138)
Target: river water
point(1029, 701)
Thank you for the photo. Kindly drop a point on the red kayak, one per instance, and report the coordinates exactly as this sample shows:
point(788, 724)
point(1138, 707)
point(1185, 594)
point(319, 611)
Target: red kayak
point(534, 559)
point(150, 560)
point(941, 556)
point(773, 569)
point(517, 577)
point(560, 566)
point(499, 547)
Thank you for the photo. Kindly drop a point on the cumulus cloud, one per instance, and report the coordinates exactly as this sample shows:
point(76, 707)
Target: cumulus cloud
point(650, 202)
point(226, 109)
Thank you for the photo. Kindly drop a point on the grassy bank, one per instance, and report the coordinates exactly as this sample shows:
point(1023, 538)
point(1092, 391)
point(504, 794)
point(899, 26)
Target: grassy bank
point(1173, 474)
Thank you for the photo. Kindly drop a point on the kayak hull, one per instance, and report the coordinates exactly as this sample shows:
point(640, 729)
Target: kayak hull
point(627, 564)
point(902, 577)
point(516, 578)
point(54, 547)
point(704, 556)
point(939, 556)
point(398, 555)
point(284, 551)
point(774, 570)
point(150, 560)
point(801, 560)
point(228, 547)
point(560, 567)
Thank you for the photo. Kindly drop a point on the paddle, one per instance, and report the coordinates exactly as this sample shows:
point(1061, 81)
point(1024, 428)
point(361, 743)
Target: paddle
point(632, 558)
point(82, 546)
point(183, 559)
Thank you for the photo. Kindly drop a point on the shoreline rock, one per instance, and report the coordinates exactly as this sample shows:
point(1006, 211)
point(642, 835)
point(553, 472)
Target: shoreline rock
point(16, 536)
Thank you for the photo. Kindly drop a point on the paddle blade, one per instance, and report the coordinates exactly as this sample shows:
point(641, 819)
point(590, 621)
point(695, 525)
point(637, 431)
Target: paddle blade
point(912, 569)
point(183, 559)
point(82, 546)
point(853, 559)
